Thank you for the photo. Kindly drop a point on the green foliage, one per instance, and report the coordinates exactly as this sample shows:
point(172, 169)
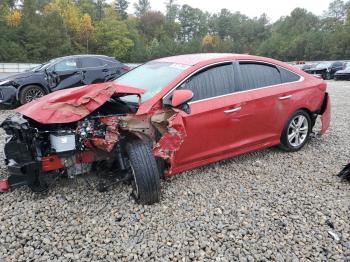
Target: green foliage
point(121, 7)
point(38, 30)
point(112, 38)
point(142, 7)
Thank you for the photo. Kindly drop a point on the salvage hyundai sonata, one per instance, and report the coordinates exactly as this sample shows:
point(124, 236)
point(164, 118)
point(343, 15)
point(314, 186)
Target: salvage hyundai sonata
point(164, 117)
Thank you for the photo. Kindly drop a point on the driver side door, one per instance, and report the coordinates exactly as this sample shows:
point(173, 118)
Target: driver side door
point(65, 74)
point(210, 126)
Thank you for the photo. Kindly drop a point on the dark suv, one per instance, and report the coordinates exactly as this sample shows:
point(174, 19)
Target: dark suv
point(59, 73)
point(326, 70)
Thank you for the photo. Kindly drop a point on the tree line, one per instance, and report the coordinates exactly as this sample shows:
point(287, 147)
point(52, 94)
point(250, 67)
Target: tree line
point(38, 30)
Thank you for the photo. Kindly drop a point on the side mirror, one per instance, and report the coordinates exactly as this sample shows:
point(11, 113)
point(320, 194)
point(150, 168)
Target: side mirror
point(181, 97)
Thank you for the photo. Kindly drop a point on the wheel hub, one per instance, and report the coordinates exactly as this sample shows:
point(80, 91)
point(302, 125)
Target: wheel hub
point(298, 130)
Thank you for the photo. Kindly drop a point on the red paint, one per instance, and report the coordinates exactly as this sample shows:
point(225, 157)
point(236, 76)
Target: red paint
point(180, 97)
point(50, 163)
point(212, 135)
point(73, 104)
point(111, 137)
point(4, 186)
point(326, 116)
point(171, 141)
point(85, 157)
point(207, 134)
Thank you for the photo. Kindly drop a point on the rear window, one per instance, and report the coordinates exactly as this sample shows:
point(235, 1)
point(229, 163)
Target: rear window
point(256, 75)
point(288, 76)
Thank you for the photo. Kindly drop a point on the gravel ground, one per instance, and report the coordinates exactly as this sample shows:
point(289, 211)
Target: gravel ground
point(267, 205)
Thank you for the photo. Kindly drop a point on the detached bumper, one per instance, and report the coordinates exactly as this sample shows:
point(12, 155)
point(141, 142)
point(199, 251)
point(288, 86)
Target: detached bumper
point(7, 95)
point(325, 114)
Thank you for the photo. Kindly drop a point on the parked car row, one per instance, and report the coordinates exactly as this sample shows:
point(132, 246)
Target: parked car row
point(337, 70)
point(58, 74)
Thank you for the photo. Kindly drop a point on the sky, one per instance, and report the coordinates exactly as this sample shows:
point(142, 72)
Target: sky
point(273, 8)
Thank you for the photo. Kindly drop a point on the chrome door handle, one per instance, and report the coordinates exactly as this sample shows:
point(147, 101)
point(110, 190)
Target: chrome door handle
point(232, 110)
point(285, 97)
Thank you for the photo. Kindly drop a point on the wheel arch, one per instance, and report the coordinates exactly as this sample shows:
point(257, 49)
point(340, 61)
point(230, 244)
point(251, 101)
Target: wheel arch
point(310, 113)
point(31, 84)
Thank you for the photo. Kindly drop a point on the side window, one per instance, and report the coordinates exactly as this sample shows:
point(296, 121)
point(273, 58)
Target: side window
point(288, 76)
point(87, 62)
point(255, 75)
point(211, 82)
point(66, 64)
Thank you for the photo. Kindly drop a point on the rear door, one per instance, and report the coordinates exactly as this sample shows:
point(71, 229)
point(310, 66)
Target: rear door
point(93, 70)
point(64, 74)
point(264, 98)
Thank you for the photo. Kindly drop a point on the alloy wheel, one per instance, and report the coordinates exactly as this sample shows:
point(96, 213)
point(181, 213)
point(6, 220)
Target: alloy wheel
point(33, 94)
point(298, 130)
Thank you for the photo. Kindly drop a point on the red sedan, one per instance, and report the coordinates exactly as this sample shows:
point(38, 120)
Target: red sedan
point(164, 117)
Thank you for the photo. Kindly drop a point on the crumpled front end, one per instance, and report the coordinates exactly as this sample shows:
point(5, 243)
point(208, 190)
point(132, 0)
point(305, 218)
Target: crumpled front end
point(36, 154)
point(8, 94)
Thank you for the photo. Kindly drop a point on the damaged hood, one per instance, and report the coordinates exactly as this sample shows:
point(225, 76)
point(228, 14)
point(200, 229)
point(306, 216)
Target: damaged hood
point(73, 104)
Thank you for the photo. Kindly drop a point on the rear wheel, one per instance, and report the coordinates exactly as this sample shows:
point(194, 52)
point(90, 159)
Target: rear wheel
point(328, 76)
point(145, 173)
point(30, 93)
point(296, 131)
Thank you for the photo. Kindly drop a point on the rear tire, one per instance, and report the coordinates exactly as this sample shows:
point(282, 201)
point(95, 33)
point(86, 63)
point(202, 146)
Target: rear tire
point(30, 93)
point(296, 132)
point(145, 173)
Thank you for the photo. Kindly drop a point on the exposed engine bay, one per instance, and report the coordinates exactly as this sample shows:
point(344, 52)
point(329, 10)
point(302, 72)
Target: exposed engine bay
point(37, 154)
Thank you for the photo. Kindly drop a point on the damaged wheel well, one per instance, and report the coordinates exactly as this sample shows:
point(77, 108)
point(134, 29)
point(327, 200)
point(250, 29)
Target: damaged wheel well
point(313, 116)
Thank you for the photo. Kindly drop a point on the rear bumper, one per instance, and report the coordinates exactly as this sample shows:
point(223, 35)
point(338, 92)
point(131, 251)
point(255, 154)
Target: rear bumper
point(7, 95)
point(342, 76)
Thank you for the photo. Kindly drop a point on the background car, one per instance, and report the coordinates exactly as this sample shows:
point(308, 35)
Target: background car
point(57, 74)
point(343, 74)
point(304, 67)
point(326, 69)
point(164, 117)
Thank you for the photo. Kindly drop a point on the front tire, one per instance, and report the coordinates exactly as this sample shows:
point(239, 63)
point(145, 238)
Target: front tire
point(30, 93)
point(145, 173)
point(296, 131)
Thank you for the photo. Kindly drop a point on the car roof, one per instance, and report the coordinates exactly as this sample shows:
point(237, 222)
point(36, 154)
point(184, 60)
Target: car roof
point(85, 55)
point(193, 59)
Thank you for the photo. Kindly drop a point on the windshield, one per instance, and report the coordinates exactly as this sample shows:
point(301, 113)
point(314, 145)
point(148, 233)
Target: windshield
point(323, 65)
point(44, 65)
point(35, 68)
point(152, 77)
point(347, 66)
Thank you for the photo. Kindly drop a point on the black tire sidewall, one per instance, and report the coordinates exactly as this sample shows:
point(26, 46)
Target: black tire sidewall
point(145, 172)
point(285, 144)
point(25, 89)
